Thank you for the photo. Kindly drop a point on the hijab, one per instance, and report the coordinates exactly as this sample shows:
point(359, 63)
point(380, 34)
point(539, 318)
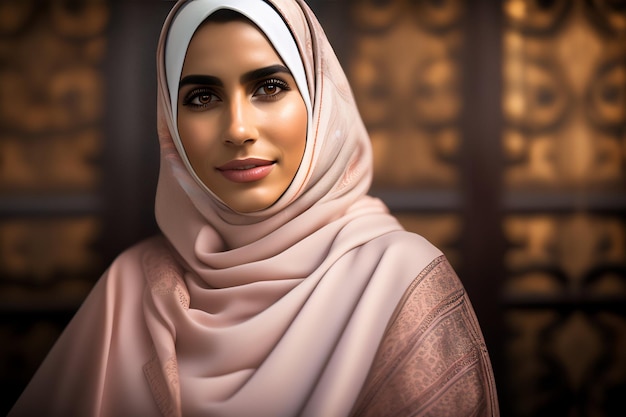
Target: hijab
point(274, 304)
point(278, 312)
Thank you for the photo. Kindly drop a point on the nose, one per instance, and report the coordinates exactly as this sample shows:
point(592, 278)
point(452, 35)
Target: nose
point(239, 122)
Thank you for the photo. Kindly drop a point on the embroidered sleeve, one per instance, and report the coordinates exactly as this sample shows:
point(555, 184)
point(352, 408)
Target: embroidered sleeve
point(432, 360)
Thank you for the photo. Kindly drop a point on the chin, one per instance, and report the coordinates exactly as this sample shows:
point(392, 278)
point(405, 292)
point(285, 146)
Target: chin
point(248, 206)
point(252, 198)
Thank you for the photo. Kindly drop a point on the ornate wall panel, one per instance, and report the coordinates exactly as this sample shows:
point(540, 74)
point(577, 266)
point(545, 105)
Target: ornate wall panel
point(566, 316)
point(51, 94)
point(404, 69)
point(38, 251)
point(575, 254)
point(565, 89)
point(565, 363)
point(51, 140)
point(564, 141)
point(51, 110)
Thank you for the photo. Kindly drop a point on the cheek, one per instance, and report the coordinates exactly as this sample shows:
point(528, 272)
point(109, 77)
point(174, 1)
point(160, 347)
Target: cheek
point(194, 136)
point(292, 129)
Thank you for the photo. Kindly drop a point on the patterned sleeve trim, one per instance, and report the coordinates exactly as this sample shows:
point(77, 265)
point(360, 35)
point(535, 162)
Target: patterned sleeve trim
point(432, 360)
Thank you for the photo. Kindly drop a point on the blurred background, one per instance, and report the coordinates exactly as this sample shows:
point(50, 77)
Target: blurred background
point(499, 130)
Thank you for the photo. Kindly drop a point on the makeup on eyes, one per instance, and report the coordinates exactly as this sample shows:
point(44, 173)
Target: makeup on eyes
point(209, 84)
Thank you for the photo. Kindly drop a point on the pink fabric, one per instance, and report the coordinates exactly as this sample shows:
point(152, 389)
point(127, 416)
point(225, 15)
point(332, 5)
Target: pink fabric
point(275, 313)
point(432, 360)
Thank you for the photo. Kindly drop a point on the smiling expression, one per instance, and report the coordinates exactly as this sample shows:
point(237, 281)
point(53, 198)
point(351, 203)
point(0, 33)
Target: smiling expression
point(241, 118)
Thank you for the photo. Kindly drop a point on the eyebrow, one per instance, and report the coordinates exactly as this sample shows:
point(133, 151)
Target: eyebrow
point(200, 79)
point(245, 78)
point(264, 72)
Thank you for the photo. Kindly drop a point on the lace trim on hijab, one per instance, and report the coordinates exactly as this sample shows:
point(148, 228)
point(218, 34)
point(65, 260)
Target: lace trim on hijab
point(164, 275)
point(159, 380)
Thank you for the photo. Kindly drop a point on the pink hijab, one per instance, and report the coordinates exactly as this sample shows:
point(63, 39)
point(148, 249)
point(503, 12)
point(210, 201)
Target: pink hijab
point(287, 304)
point(274, 313)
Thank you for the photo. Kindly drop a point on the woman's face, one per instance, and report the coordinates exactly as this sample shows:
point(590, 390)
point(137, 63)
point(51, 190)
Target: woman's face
point(241, 118)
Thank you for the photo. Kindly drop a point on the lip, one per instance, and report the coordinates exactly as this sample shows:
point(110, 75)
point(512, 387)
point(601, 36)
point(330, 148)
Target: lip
point(246, 170)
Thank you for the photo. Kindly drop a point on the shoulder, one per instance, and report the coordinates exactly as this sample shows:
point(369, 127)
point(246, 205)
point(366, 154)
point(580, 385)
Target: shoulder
point(123, 284)
point(131, 267)
point(137, 256)
point(141, 249)
point(408, 243)
point(412, 251)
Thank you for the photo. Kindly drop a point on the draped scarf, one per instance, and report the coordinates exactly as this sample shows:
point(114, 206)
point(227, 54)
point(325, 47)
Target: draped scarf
point(273, 301)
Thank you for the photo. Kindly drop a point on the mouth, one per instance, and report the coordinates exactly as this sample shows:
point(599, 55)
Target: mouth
point(246, 170)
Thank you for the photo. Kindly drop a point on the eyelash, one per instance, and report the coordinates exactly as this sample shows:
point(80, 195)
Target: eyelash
point(276, 82)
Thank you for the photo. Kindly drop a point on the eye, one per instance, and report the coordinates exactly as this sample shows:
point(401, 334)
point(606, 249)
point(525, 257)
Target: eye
point(200, 98)
point(271, 88)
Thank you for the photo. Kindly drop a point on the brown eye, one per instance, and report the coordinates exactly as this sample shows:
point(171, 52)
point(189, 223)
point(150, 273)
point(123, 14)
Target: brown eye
point(200, 98)
point(271, 88)
point(203, 99)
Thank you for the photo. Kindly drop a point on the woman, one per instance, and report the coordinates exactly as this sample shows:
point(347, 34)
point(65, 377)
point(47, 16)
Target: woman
point(278, 288)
